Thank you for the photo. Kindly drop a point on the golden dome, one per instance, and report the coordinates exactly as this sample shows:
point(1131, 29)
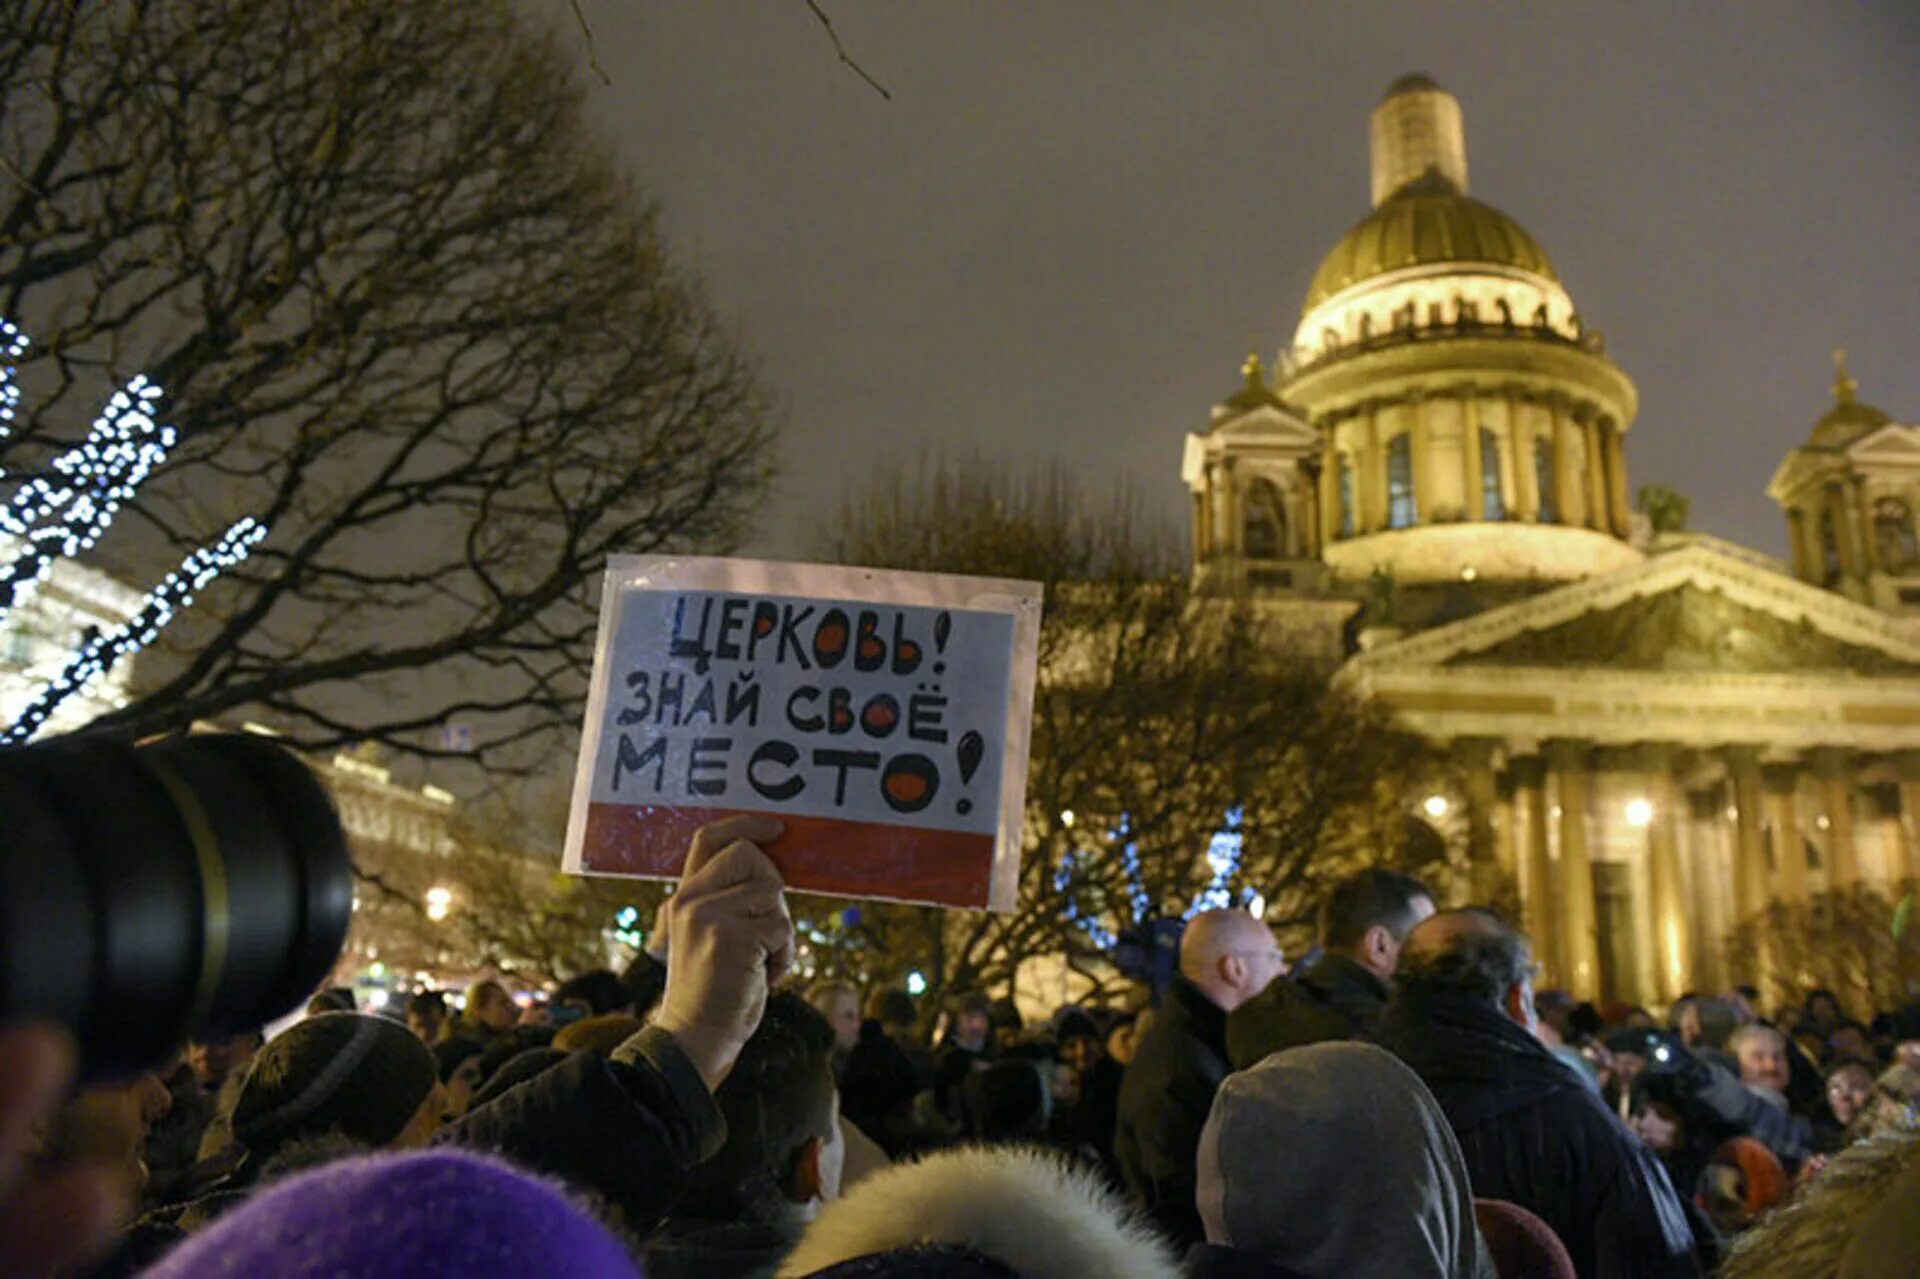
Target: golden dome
point(1426, 221)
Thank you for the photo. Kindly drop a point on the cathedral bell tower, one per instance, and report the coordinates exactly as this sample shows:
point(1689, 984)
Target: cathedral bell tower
point(1849, 494)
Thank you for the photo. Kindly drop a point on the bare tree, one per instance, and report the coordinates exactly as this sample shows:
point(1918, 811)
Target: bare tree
point(503, 903)
point(408, 314)
point(1855, 941)
point(1177, 756)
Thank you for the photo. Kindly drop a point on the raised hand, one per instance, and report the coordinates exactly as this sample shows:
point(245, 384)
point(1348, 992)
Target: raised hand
point(730, 939)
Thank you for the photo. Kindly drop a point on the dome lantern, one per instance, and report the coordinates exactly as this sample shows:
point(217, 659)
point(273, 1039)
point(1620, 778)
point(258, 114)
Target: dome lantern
point(1417, 131)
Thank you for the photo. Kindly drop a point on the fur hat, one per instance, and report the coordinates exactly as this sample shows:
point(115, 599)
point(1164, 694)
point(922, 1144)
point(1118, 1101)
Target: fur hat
point(1742, 1183)
point(361, 1076)
point(421, 1215)
point(1029, 1211)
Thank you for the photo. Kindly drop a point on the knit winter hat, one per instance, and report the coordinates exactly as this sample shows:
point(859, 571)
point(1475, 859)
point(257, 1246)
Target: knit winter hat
point(429, 1214)
point(364, 1077)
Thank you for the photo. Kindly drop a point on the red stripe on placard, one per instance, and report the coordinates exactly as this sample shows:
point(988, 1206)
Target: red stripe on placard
point(827, 855)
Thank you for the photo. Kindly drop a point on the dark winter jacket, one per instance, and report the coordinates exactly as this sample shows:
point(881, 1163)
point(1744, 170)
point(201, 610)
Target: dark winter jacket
point(1164, 1100)
point(877, 1086)
point(1216, 1261)
point(1533, 1134)
point(626, 1128)
point(1334, 999)
point(953, 1065)
point(719, 1250)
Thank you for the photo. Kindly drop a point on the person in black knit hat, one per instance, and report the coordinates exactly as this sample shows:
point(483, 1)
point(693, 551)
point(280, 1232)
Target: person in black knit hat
point(366, 1078)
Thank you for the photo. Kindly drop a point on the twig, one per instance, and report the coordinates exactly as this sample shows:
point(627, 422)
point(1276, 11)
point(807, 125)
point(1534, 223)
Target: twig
point(593, 59)
point(841, 49)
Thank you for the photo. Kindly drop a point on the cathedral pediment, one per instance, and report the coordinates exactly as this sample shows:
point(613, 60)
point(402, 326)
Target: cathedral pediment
point(1700, 609)
point(1892, 444)
point(1269, 425)
point(1688, 628)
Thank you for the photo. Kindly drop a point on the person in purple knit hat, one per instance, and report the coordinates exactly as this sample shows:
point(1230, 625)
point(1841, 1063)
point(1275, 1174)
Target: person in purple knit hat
point(418, 1216)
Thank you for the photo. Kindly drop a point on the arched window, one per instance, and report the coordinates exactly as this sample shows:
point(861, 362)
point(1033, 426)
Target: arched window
point(1491, 502)
point(1893, 536)
point(1347, 518)
point(1264, 526)
point(1402, 508)
point(1543, 478)
point(1829, 547)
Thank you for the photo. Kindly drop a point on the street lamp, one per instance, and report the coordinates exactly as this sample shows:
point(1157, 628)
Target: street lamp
point(1435, 806)
point(1639, 813)
point(439, 902)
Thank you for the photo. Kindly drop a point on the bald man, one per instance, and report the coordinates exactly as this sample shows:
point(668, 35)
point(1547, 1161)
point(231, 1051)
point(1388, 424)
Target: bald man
point(1226, 958)
point(1530, 1130)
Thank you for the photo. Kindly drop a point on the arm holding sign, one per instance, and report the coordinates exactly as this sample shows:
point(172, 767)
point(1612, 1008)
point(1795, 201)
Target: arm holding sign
point(630, 1127)
point(729, 938)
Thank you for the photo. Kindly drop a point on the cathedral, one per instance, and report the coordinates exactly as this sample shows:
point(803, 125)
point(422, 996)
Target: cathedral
point(1657, 734)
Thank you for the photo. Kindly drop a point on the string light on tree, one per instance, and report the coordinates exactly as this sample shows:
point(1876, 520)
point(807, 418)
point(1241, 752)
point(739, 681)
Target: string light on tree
point(174, 593)
point(13, 345)
point(64, 513)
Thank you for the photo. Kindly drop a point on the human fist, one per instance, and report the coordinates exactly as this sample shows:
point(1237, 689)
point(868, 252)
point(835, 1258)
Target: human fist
point(730, 939)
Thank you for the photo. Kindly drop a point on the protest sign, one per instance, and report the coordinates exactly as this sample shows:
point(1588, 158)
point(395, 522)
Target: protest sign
point(882, 716)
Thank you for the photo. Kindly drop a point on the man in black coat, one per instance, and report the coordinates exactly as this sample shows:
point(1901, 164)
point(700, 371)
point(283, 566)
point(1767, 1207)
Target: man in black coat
point(1363, 924)
point(1226, 958)
point(1532, 1133)
point(630, 1129)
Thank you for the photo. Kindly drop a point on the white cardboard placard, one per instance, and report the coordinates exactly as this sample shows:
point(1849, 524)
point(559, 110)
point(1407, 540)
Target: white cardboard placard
point(883, 716)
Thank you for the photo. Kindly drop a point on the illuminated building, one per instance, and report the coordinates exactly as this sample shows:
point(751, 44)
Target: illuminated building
point(1657, 735)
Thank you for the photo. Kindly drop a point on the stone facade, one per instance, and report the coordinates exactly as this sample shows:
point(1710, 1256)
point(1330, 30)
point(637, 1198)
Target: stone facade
point(1655, 738)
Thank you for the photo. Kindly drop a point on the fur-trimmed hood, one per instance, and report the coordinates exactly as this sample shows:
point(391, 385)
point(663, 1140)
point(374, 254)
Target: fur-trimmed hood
point(1029, 1209)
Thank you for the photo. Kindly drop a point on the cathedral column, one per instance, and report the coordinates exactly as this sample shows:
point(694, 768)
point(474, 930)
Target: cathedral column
point(1304, 533)
point(1221, 539)
point(1581, 943)
point(1803, 568)
point(1782, 783)
point(1526, 492)
point(1200, 547)
point(1749, 850)
point(1673, 949)
point(1843, 532)
point(1235, 541)
point(1476, 490)
point(1530, 798)
point(1907, 767)
point(1620, 501)
point(1483, 797)
point(1421, 446)
point(1596, 473)
point(1706, 854)
point(1373, 475)
point(1749, 857)
point(1863, 522)
point(1843, 858)
point(1330, 494)
point(1566, 484)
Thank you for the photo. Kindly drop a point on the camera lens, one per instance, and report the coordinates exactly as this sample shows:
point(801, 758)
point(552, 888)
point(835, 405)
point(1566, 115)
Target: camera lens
point(190, 888)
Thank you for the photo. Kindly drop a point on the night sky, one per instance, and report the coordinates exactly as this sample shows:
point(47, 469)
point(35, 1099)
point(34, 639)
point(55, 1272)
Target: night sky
point(1073, 220)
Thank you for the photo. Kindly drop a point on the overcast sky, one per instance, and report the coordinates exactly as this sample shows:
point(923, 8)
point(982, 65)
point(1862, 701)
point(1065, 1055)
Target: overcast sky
point(1073, 220)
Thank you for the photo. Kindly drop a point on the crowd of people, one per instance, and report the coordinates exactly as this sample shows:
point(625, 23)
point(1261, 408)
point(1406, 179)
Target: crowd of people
point(1401, 1103)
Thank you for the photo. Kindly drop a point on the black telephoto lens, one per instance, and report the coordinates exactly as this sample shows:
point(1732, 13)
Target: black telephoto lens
point(189, 888)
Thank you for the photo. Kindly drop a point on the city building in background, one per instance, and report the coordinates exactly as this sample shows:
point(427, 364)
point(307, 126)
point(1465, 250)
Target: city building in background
point(41, 633)
point(1659, 735)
